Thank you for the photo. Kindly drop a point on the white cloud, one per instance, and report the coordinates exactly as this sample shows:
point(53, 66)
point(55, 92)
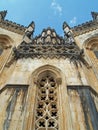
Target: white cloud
point(73, 21)
point(56, 7)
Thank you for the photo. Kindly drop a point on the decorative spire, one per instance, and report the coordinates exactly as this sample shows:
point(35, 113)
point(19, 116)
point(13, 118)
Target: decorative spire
point(29, 32)
point(68, 33)
point(31, 27)
point(94, 16)
point(66, 29)
point(3, 14)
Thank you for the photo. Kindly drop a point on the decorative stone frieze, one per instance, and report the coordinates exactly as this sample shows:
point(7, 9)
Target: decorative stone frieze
point(50, 45)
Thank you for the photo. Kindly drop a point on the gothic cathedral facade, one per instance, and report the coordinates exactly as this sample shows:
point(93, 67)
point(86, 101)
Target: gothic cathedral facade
point(48, 82)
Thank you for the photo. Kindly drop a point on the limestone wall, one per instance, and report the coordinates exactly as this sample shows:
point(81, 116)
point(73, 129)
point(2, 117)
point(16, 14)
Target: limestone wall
point(19, 94)
point(25, 67)
point(76, 94)
point(81, 39)
point(16, 38)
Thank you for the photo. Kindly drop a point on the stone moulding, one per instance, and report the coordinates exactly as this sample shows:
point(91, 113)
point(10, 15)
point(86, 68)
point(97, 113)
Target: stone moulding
point(18, 86)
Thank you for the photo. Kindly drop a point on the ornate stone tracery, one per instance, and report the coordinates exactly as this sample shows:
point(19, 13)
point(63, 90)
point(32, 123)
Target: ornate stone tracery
point(46, 115)
point(50, 45)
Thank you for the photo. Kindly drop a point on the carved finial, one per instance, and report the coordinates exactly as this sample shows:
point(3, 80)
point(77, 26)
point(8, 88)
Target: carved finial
point(65, 25)
point(66, 29)
point(29, 32)
point(31, 27)
point(68, 33)
point(3, 14)
point(94, 15)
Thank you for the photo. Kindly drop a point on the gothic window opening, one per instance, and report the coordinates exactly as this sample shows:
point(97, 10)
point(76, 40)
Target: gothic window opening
point(46, 111)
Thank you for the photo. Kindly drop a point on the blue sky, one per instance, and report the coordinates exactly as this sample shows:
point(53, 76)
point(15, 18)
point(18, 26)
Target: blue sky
point(47, 13)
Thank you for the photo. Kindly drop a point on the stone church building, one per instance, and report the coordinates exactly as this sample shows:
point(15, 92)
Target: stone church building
point(48, 82)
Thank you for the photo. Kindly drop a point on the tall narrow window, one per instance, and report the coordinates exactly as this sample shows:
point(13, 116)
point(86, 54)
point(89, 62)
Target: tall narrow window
point(46, 115)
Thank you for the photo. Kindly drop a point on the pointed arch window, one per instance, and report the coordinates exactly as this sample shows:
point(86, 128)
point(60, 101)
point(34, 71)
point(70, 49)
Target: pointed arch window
point(46, 111)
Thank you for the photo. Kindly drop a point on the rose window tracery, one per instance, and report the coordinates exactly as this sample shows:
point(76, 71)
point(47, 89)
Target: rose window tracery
point(46, 116)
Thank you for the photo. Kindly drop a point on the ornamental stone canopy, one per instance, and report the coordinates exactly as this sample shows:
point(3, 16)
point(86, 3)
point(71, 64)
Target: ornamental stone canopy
point(49, 45)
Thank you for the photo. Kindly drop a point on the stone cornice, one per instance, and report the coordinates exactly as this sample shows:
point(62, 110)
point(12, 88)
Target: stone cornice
point(85, 27)
point(11, 26)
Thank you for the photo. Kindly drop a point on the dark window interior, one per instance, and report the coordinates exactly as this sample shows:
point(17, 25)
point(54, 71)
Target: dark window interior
point(96, 53)
point(1, 50)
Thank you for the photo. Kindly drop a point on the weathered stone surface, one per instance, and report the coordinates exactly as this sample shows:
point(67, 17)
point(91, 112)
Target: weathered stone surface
point(65, 91)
